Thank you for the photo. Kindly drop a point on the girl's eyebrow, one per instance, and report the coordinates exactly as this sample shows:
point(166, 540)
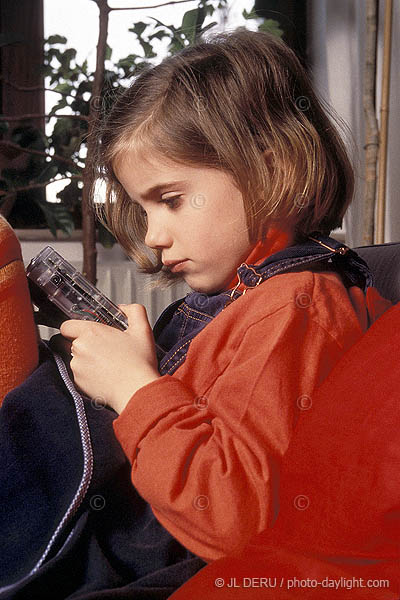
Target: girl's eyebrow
point(161, 187)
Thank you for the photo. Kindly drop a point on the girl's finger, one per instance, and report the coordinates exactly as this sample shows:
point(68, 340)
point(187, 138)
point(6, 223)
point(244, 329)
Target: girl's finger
point(72, 328)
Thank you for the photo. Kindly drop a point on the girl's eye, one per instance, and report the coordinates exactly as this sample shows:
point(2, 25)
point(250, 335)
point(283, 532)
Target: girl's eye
point(172, 202)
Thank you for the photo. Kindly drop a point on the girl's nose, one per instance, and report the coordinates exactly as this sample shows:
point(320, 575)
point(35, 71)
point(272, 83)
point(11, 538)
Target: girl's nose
point(157, 235)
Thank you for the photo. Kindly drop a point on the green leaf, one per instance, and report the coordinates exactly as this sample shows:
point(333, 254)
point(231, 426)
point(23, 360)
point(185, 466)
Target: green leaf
point(138, 28)
point(271, 26)
point(127, 62)
point(65, 59)
point(106, 238)
point(160, 35)
point(54, 52)
point(54, 78)
point(175, 45)
point(28, 136)
point(56, 39)
point(189, 20)
point(192, 22)
point(75, 170)
point(140, 66)
point(65, 88)
point(250, 15)
point(70, 195)
point(46, 70)
point(61, 133)
point(108, 53)
point(57, 217)
point(60, 104)
point(148, 49)
point(84, 86)
point(48, 173)
point(84, 67)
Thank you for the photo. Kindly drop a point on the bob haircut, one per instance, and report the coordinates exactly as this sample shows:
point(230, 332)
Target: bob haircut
point(240, 102)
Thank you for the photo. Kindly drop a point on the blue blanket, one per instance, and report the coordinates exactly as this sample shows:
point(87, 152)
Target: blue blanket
point(71, 522)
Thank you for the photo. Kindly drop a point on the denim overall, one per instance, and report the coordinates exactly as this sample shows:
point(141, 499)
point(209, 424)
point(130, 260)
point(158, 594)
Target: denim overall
point(185, 318)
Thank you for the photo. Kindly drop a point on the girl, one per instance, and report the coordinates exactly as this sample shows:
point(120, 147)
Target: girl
point(223, 169)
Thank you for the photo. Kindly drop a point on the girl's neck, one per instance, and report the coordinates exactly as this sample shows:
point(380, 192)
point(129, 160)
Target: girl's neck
point(276, 240)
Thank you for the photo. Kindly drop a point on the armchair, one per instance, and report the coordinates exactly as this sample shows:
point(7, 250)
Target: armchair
point(384, 262)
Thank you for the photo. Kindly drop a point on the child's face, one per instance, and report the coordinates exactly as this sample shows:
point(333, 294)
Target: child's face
point(197, 219)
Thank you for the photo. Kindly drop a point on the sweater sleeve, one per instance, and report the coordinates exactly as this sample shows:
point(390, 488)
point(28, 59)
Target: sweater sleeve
point(209, 464)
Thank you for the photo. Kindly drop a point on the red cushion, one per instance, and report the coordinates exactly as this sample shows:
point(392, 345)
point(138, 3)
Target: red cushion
point(18, 337)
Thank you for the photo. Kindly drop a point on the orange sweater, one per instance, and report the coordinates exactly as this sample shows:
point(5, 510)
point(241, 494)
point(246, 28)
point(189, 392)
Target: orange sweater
point(206, 443)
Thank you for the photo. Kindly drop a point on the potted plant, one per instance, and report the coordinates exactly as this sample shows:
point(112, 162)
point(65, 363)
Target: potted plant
point(65, 153)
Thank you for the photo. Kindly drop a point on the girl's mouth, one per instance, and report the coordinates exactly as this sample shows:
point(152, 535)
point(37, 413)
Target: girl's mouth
point(175, 266)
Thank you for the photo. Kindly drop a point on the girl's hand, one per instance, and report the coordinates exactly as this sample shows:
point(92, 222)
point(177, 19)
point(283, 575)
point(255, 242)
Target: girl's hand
point(111, 365)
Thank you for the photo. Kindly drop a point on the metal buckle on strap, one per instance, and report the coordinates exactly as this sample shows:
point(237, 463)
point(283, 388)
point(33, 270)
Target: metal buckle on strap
point(341, 250)
point(247, 286)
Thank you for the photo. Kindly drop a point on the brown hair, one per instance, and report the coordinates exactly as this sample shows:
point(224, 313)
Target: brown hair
point(243, 103)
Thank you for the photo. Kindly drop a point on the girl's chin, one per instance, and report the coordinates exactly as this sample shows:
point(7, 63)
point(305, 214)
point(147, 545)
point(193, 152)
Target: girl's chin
point(196, 286)
point(204, 287)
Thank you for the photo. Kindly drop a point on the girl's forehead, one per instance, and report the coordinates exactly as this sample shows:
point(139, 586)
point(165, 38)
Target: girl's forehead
point(146, 158)
point(139, 172)
point(142, 173)
point(150, 162)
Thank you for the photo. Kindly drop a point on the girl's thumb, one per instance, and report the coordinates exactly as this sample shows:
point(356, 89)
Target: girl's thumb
point(136, 314)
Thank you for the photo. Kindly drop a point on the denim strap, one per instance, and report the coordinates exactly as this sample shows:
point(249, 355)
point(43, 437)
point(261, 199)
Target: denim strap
point(185, 318)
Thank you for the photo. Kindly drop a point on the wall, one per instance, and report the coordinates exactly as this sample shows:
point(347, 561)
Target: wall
point(337, 55)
